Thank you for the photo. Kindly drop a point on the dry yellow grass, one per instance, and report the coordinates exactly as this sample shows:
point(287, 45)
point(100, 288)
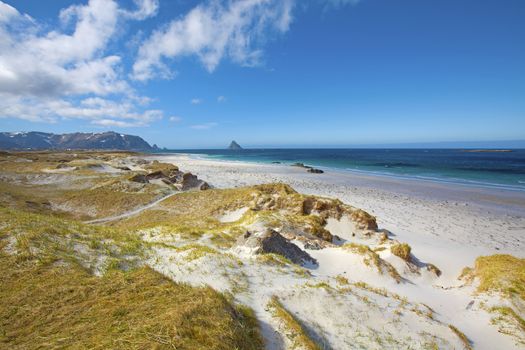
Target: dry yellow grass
point(51, 306)
point(372, 258)
point(50, 300)
point(298, 334)
point(504, 274)
point(501, 272)
point(401, 250)
point(462, 337)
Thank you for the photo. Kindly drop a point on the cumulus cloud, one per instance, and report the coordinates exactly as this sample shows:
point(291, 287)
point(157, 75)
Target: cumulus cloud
point(43, 74)
point(204, 126)
point(175, 119)
point(68, 72)
point(212, 31)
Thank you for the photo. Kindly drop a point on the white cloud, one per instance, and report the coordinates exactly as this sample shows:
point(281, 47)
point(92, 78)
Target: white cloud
point(175, 119)
point(68, 72)
point(112, 123)
point(44, 74)
point(95, 109)
point(196, 101)
point(212, 31)
point(145, 9)
point(204, 126)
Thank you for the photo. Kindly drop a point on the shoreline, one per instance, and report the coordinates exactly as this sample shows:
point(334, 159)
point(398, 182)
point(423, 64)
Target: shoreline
point(488, 221)
point(446, 225)
point(439, 180)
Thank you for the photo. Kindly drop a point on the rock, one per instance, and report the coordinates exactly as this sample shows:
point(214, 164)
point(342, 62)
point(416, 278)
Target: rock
point(271, 241)
point(155, 175)
point(234, 146)
point(190, 181)
point(315, 171)
point(139, 178)
point(125, 168)
point(313, 245)
point(301, 165)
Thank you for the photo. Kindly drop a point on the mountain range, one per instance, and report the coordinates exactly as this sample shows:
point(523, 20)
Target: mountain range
point(110, 140)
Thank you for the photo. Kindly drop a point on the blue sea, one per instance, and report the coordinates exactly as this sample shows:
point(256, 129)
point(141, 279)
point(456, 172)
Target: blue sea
point(505, 170)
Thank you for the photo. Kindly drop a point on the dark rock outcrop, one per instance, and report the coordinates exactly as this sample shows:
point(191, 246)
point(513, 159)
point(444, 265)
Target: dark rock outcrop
point(234, 146)
point(190, 181)
point(140, 178)
point(171, 175)
point(105, 141)
point(308, 168)
point(315, 171)
point(271, 241)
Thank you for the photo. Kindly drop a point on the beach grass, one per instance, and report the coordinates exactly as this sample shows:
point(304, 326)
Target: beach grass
point(51, 298)
point(298, 335)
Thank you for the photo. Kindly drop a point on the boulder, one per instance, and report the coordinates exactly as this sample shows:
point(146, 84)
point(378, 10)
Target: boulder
point(271, 241)
point(155, 175)
point(189, 181)
point(139, 178)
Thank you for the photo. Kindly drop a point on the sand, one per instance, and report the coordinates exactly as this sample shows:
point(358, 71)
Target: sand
point(447, 225)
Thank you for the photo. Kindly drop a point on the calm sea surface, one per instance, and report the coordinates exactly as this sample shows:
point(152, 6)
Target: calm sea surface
point(488, 169)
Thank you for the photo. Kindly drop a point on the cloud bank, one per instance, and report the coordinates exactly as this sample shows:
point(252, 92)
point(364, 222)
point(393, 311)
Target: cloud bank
point(75, 70)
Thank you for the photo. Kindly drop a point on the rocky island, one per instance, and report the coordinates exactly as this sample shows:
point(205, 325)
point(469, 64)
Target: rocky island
point(234, 146)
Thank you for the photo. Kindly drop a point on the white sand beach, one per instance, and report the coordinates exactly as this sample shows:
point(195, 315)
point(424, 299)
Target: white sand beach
point(445, 224)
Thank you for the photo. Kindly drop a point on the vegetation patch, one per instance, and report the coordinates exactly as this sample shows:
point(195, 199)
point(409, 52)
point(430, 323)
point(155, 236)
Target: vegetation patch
point(509, 322)
point(401, 250)
point(298, 335)
point(499, 273)
point(66, 307)
point(372, 258)
point(462, 337)
point(50, 299)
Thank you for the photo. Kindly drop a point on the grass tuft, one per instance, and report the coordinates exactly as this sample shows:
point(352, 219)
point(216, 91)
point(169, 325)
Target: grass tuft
point(298, 336)
point(401, 250)
point(462, 337)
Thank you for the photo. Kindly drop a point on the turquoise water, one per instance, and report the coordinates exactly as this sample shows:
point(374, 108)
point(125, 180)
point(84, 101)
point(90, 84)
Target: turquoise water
point(504, 170)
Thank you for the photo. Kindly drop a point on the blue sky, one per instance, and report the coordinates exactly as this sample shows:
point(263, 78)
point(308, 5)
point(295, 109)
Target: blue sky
point(187, 74)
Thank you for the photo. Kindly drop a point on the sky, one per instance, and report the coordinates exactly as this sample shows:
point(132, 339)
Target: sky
point(266, 73)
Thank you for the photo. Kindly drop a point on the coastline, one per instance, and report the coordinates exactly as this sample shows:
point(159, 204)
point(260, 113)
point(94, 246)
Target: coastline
point(488, 220)
point(447, 224)
point(440, 179)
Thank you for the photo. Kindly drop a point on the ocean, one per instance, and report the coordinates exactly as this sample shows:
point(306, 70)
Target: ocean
point(505, 170)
